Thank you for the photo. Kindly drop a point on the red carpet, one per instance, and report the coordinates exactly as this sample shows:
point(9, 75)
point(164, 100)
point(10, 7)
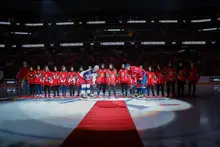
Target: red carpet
point(107, 124)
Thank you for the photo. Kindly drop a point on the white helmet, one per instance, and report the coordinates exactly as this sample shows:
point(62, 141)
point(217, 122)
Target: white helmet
point(96, 67)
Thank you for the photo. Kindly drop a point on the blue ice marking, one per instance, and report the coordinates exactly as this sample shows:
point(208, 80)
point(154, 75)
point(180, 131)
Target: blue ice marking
point(137, 106)
point(31, 135)
point(70, 101)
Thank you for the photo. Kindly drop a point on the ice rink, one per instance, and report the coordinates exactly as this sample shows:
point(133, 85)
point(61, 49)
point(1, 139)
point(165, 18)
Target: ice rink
point(169, 122)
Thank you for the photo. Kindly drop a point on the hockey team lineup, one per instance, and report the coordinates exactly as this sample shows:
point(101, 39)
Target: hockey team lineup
point(134, 81)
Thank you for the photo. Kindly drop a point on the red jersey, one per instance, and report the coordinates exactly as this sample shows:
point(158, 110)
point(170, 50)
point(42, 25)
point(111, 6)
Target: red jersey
point(193, 75)
point(38, 74)
point(111, 77)
point(136, 72)
point(63, 78)
point(123, 76)
point(79, 80)
point(171, 74)
point(71, 78)
point(151, 78)
point(47, 78)
point(101, 78)
point(23, 73)
point(56, 78)
point(132, 80)
point(160, 77)
point(30, 77)
point(181, 75)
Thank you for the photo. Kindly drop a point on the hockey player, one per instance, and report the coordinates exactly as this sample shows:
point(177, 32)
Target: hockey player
point(181, 79)
point(88, 76)
point(170, 79)
point(38, 74)
point(160, 80)
point(140, 75)
point(132, 84)
point(31, 81)
point(79, 81)
point(56, 82)
point(41, 85)
point(193, 79)
point(63, 80)
point(22, 77)
point(72, 81)
point(47, 81)
point(101, 80)
point(111, 80)
point(123, 78)
point(92, 85)
point(151, 80)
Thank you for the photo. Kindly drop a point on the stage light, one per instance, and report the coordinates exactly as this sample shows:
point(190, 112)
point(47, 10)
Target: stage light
point(34, 24)
point(18, 24)
point(2, 45)
point(153, 43)
point(4, 23)
point(168, 21)
point(64, 23)
point(200, 20)
point(209, 29)
point(136, 21)
point(193, 42)
point(112, 43)
point(71, 44)
point(95, 22)
point(32, 45)
point(114, 30)
point(19, 33)
point(14, 46)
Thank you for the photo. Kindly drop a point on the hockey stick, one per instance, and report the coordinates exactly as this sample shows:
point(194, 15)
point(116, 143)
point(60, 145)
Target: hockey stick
point(133, 85)
point(96, 88)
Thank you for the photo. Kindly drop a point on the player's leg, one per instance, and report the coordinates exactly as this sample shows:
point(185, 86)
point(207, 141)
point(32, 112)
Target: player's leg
point(45, 90)
point(194, 88)
point(104, 86)
point(109, 91)
point(162, 90)
point(54, 90)
point(79, 89)
point(178, 88)
point(114, 90)
point(126, 89)
point(168, 88)
point(83, 90)
point(34, 89)
point(49, 88)
point(71, 90)
point(158, 89)
point(100, 88)
point(58, 90)
point(122, 89)
point(88, 90)
point(182, 88)
point(74, 89)
point(173, 88)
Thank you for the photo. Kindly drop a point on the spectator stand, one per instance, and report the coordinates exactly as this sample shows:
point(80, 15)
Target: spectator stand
point(215, 81)
point(9, 88)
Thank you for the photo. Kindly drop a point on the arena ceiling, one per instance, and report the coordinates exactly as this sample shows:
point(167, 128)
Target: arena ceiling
point(59, 6)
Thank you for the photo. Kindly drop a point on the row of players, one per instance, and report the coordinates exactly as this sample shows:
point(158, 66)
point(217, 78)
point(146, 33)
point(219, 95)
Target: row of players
point(131, 78)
